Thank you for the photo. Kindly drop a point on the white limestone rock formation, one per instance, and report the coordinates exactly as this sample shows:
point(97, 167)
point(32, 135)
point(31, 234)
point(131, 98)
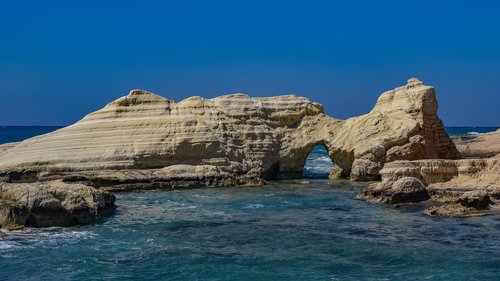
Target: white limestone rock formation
point(6, 146)
point(146, 141)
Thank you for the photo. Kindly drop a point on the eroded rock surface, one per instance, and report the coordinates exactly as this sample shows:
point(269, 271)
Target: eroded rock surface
point(478, 199)
point(144, 141)
point(404, 190)
point(482, 146)
point(52, 203)
point(229, 140)
point(6, 146)
point(466, 187)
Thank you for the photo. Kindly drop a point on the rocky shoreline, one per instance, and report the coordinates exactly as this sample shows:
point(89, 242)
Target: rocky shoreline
point(144, 141)
point(52, 203)
point(464, 187)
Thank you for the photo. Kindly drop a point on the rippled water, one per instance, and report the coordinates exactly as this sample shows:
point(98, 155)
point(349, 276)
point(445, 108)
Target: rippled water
point(318, 164)
point(282, 231)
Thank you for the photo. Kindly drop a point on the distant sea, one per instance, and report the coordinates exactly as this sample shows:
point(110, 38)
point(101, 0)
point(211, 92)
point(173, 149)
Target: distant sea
point(20, 133)
point(286, 230)
point(470, 130)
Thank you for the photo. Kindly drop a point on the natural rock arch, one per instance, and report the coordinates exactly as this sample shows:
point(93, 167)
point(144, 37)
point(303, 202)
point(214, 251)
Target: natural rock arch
point(319, 164)
point(143, 140)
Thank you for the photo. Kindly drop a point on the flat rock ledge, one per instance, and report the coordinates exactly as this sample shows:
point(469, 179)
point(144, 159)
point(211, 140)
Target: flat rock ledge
point(467, 187)
point(52, 203)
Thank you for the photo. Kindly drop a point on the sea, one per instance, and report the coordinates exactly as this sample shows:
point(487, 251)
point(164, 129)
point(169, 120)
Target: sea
point(310, 229)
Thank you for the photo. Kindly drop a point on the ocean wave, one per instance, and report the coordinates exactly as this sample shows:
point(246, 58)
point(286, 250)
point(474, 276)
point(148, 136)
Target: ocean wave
point(254, 206)
point(47, 237)
point(185, 208)
point(318, 165)
point(473, 133)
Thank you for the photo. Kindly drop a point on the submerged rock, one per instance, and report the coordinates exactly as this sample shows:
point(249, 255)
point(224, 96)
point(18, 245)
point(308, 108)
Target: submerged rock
point(51, 204)
point(453, 210)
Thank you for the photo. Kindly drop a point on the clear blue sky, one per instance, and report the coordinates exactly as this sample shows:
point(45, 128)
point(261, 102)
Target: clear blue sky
point(62, 59)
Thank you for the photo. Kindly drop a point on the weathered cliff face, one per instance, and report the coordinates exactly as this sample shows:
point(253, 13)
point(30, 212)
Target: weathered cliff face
point(143, 138)
point(402, 126)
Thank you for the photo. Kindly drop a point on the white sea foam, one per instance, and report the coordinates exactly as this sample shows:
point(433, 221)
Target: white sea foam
point(318, 164)
point(219, 213)
point(254, 206)
point(288, 203)
point(185, 208)
point(34, 238)
point(5, 245)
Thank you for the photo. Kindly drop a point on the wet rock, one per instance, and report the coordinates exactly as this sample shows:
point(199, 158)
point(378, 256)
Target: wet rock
point(453, 210)
point(470, 183)
point(51, 204)
point(12, 215)
point(477, 199)
point(408, 190)
point(404, 190)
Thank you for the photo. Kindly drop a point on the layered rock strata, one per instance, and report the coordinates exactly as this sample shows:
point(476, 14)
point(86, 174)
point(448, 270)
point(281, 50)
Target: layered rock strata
point(467, 187)
point(230, 140)
point(144, 141)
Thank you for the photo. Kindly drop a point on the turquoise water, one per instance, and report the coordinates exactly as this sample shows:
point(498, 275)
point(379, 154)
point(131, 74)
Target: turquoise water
point(318, 164)
point(281, 231)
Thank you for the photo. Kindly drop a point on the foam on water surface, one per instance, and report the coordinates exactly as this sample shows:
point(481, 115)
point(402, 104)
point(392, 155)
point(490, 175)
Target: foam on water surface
point(282, 231)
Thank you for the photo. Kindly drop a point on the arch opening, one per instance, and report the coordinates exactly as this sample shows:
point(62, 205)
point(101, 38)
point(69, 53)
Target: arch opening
point(318, 164)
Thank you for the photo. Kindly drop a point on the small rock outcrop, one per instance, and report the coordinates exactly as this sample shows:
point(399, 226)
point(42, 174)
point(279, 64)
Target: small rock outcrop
point(466, 187)
point(404, 190)
point(453, 210)
point(477, 199)
point(51, 204)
